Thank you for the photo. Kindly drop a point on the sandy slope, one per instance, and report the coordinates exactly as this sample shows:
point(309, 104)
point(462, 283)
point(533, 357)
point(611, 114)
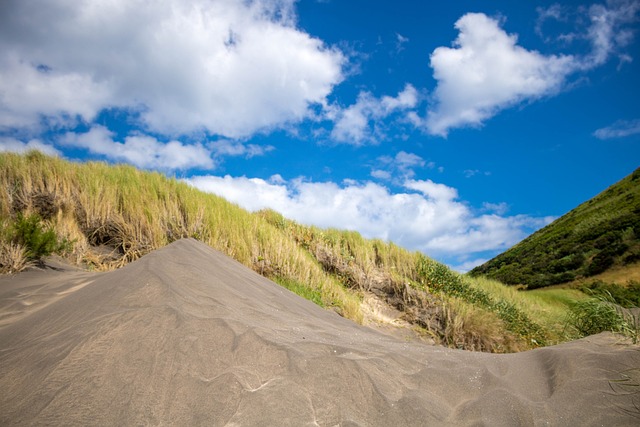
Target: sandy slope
point(187, 336)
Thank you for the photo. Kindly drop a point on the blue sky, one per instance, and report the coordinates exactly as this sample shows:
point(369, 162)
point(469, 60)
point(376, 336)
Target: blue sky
point(454, 128)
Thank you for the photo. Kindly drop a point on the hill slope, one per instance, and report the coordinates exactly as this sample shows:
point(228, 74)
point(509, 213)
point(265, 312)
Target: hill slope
point(187, 336)
point(601, 233)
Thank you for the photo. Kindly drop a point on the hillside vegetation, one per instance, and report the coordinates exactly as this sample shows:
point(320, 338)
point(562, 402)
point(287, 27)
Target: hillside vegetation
point(600, 234)
point(102, 217)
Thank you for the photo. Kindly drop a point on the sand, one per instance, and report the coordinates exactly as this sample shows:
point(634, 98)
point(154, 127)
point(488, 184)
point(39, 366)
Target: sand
point(187, 336)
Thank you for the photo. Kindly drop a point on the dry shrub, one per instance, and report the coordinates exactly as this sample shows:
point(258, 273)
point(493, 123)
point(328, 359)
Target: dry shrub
point(13, 258)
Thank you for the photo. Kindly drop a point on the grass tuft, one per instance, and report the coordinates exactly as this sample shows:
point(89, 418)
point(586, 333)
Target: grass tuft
point(600, 314)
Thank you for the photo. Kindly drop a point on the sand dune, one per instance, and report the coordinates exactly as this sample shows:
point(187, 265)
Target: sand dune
point(187, 336)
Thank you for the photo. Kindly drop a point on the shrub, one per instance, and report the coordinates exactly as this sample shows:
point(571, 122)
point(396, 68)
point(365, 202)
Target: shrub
point(600, 263)
point(12, 258)
point(29, 232)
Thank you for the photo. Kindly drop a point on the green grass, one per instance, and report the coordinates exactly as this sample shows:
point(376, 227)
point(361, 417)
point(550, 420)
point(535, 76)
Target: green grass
point(302, 290)
point(594, 315)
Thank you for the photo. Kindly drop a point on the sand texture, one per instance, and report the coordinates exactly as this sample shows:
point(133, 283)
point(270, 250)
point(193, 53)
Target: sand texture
point(186, 336)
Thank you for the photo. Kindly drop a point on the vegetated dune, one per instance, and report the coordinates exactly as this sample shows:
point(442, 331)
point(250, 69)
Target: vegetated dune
point(187, 336)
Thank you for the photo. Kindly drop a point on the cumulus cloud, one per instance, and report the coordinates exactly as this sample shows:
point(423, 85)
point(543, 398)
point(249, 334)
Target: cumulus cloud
point(424, 215)
point(226, 67)
point(619, 129)
point(485, 72)
point(18, 146)
point(140, 150)
point(360, 123)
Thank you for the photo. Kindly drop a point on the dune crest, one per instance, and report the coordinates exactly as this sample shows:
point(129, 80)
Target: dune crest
point(188, 336)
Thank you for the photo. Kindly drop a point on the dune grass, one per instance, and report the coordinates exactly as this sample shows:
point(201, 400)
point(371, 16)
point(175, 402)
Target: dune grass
point(112, 215)
point(548, 306)
point(130, 212)
point(602, 313)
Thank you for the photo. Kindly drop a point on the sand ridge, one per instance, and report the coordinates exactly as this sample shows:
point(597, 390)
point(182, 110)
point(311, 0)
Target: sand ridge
point(188, 336)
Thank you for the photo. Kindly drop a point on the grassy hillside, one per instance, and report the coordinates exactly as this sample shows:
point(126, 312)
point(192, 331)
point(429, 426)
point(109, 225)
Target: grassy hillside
point(600, 234)
point(102, 217)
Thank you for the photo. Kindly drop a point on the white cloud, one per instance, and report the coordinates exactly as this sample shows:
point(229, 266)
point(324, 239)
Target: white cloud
point(140, 150)
point(360, 123)
point(228, 67)
point(226, 147)
point(400, 166)
point(603, 26)
point(485, 72)
point(606, 32)
point(467, 265)
point(432, 190)
point(499, 208)
point(381, 174)
point(619, 129)
point(468, 173)
point(424, 216)
point(555, 12)
point(17, 146)
point(408, 160)
point(400, 42)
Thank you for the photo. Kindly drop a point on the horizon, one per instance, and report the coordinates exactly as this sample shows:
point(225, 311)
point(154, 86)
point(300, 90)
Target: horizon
point(453, 129)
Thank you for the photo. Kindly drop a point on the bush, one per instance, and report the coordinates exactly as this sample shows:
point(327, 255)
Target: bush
point(600, 263)
point(12, 258)
point(29, 232)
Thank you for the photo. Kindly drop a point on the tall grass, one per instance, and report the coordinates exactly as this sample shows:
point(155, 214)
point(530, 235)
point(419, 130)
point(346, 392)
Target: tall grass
point(602, 313)
point(115, 214)
point(131, 213)
point(547, 307)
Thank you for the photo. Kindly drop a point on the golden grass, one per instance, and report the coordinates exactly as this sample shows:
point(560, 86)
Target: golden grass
point(130, 212)
point(472, 328)
point(621, 275)
point(13, 258)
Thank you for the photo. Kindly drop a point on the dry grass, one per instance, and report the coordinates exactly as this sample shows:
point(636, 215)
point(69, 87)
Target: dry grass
point(13, 258)
point(116, 214)
point(618, 274)
point(472, 328)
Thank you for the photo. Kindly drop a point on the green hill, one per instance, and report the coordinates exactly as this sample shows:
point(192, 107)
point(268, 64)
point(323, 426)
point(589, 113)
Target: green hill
point(600, 234)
